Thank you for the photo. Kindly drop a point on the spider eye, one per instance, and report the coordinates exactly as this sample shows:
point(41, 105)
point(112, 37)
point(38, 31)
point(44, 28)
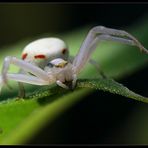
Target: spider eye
point(50, 65)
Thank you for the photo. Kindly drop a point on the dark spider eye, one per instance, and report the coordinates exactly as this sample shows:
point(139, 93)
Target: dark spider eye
point(50, 65)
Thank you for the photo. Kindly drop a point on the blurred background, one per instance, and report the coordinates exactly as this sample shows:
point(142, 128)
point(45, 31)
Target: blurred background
point(20, 21)
point(79, 125)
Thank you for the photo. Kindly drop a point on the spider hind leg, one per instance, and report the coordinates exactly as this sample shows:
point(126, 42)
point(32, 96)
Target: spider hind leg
point(21, 92)
point(97, 67)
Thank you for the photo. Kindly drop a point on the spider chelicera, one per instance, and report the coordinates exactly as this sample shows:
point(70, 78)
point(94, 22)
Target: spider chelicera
point(46, 61)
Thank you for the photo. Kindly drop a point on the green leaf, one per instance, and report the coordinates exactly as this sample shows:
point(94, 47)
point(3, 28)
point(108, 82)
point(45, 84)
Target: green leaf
point(53, 103)
point(20, 120)
point(26, 124)
point(111, 86)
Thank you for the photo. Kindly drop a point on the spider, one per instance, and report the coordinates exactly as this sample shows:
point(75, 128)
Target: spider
point(46, 61)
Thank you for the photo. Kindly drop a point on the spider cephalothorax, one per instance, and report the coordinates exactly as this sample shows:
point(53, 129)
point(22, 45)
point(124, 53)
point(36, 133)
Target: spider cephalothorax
point(46, 61)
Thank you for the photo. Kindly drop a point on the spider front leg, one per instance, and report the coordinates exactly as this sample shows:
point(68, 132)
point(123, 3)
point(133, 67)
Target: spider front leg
point(27, 67)
point(98, 34)
point(101, 30)
point(26, 79)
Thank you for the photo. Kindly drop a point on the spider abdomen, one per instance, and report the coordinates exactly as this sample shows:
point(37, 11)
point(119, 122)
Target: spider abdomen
point(41, 51)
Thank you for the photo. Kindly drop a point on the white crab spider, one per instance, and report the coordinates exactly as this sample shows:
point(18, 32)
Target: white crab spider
point(46, 61)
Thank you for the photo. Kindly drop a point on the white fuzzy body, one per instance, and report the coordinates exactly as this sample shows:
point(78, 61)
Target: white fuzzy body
point(51, 48)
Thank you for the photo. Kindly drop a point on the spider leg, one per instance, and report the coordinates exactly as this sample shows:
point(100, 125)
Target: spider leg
point(28, 67)
point(71, 58)
point(1, 83)
point(61, 84)
point(21, 92)
point(96, 65)
point(74, 81)
point(98, 34)
point(25, 79)
point(99, 30)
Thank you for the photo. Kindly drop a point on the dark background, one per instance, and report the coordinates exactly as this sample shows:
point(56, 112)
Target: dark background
point(79, 124)
point(22, 20)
